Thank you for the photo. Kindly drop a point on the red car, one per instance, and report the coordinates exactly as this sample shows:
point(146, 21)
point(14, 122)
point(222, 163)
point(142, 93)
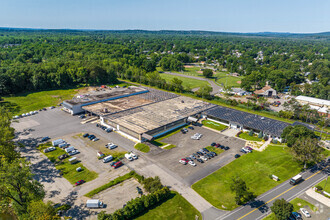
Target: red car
point(118, 164)
point(184, 161)
point(79, 182)
point(217, 145)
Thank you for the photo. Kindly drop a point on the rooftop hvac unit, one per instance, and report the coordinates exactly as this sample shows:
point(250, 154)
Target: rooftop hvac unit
point(105, 110)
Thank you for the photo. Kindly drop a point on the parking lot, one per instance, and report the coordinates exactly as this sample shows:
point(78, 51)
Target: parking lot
point(187, 146)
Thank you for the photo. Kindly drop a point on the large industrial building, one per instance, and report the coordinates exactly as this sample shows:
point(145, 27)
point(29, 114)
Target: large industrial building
point(142, 114)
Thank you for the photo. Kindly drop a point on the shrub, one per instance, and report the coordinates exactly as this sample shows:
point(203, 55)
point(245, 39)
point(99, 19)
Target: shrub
point(260, 135)
point(251, 133)
point(319, 188)
point(152, 184)
point(266, 138)
point(274, 141)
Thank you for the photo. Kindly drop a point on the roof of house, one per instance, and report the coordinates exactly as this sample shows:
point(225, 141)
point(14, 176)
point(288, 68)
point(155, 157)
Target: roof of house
point(313, 100)
point(264, 89)
point(267, 125)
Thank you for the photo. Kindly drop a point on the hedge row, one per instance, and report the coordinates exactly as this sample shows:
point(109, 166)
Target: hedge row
point(137, 205)
point(112, 183)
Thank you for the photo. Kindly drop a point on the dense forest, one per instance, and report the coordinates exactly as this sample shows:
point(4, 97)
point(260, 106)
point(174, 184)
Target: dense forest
point(33, 60)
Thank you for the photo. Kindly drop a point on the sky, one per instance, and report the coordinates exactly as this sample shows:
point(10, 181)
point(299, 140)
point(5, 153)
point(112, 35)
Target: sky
point(295, 16)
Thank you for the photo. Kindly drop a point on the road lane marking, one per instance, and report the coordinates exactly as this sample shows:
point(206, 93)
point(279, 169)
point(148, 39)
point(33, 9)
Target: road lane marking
point(279, 195)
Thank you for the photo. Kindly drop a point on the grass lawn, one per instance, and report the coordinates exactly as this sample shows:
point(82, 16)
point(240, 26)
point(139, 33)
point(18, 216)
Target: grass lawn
point(142, 147)
point(254, 168)
point(246, 136)
point(297, 204)
point(214, 149)
point(69, 170)
point(214, 125)
point(186, 82)
point(327, 186)
point(169, 147)
point(230, 81)
point(325, 136)
point(175, 208)
point(27, 102)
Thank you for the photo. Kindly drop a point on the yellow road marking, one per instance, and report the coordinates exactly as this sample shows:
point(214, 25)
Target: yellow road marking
point(279, 195)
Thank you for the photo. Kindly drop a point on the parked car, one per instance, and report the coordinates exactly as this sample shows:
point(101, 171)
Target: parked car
point(213, 144)
point(134, 156)
point(250, 148)
point(202, 151)
point(191, 127)
point(199, 153)
point(79, 182)
point(112, 146)
point(85, 135)
point(192, 163)
point(206, 150)
point(49, 149)
point(128, 157)
point(193, 157)
point(118, 164)
point(213, 153)
point(96, 139)
point(185, 129)
point(237, 155)
point(82, 116)
point(203, 158)
point(296, 215)
point(305, 212)
point(139, 190)
point(200, 160)
point(73, 152)
point(63, 156)
point(45, 139)
point(226, 148)
point(243, 151)
point(183, 161)
point(112, 163)
point(108, 130)
point(52, 107)
point(44, 109)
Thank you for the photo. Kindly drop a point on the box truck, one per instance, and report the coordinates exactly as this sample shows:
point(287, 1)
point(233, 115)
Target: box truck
point(107, 159)
point(296, 179)
point(94, 203)
point(69, 149)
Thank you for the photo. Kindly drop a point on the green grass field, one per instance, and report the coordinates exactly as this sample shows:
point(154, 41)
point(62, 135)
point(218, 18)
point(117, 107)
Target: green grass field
point(69, 170)
point(327, 186)
point(254, 168)
point(169, 147)
point(229, 81)
point(246, 136)
point(142, 147)
point(297, 204)
point(27, 102)
point(214, 125)
point(175, 208)
point(187, 82)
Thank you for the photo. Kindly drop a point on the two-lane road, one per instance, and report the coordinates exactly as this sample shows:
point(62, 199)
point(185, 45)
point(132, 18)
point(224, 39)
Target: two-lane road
point(259, 208)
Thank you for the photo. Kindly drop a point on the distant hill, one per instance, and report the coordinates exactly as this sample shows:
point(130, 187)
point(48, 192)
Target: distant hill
point(177, 32)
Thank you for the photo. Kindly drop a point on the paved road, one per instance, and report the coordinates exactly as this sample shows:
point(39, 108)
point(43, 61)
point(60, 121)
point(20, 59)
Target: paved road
point(214, 86)
point(260, 208)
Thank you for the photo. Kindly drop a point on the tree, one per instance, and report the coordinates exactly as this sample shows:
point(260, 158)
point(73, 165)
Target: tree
point(307, 150)
point(282, 209)
point(204, 91)
point(292, 133)
point(208, 73)
point(152, 184)
point(17, 186)
point(242, 193)
point(176, 85)
point(41, 211)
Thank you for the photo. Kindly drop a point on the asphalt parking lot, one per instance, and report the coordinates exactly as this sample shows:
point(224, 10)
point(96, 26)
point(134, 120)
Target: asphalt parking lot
point(187, 146)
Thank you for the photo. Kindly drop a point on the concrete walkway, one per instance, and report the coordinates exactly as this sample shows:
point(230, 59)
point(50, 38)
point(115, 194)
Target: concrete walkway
point(317, 196)
point(214, 86)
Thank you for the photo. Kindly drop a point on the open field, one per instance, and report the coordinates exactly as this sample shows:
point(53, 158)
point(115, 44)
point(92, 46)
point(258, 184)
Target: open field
point(297, 204)
point(69, 170)
point(228, 81)
point(214, 125)
point(176, 207)
point(187, 82)
point(254, 168)
point(27, 102)
point(246, 136)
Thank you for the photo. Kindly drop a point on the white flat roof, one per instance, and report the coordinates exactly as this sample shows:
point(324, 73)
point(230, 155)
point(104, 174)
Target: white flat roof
point(314, 100)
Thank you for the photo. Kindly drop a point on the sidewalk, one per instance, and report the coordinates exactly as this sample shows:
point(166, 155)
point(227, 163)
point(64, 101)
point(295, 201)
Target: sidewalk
point(317, 196)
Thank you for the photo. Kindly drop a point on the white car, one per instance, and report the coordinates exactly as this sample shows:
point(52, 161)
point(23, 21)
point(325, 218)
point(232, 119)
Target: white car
point(73, 152)
point(31, 112)
point(16, 117)
point(203, 158)
point(35, 112)
point(128, 157)
point(305, 212)
point(95, 139)
point(134, 156)
point(23, 115)
point(27, 114)
point(192, 163)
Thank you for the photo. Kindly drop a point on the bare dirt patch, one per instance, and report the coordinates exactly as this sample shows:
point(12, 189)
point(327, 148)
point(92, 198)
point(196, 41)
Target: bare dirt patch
point(188, 66)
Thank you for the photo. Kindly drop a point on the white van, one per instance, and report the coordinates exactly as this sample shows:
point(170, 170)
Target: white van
point(73, 160)
point(107, 159)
